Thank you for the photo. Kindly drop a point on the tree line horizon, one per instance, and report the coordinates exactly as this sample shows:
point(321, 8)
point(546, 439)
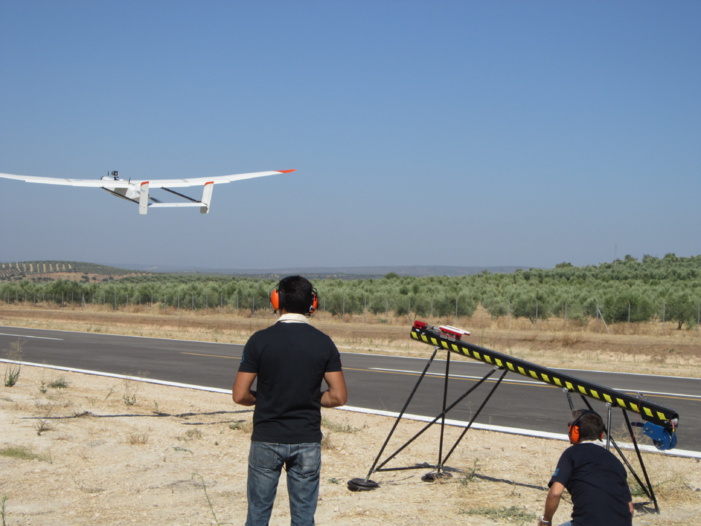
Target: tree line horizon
point(625, 290)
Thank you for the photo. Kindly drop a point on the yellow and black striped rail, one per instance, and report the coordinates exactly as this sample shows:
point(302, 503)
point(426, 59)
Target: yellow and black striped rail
point(648, 411)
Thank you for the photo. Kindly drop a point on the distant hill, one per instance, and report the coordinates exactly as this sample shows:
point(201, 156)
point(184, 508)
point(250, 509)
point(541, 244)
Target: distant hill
point(339, 272)
point(76, 270)
point(73, 270)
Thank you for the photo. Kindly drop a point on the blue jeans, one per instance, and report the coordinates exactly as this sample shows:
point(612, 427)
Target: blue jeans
point(303, 465)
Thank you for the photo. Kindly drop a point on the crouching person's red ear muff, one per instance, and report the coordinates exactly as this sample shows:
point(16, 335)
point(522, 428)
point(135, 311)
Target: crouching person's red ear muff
point(573, 432)
point(573, 428)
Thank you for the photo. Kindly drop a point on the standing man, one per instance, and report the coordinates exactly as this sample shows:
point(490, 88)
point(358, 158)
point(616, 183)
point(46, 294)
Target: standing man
point(289, 360)
point(594, 477)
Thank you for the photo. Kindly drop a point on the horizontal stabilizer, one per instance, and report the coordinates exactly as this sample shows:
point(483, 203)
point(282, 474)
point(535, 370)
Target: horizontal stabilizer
point(174, 205)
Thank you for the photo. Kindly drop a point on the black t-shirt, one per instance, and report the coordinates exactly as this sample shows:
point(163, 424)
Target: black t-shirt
point(290, 360)
point(596, 480)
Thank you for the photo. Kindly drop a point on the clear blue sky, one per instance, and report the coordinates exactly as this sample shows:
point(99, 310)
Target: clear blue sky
point(423, 133)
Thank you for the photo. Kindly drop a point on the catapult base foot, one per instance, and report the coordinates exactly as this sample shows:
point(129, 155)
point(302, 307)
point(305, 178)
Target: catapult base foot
point(432, 477)
point(362, 485)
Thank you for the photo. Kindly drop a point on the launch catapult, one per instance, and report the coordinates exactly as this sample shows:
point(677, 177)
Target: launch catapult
point(660, 422)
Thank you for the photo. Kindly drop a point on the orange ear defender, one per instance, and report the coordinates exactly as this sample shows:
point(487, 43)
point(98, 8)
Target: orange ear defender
point(315, 301)
point(275, 300)
point(573, 428)
point(573, 432)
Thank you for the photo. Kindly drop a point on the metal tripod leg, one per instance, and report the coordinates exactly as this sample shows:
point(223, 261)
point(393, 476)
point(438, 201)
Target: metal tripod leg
point(358, 484)
point(474, 417)
point(366, 484)
point(648, 489)
point(427, 426)
point(439, 465)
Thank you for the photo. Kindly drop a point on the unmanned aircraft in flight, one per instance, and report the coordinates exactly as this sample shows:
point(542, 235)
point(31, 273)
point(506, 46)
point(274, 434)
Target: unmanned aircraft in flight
point(138, 191)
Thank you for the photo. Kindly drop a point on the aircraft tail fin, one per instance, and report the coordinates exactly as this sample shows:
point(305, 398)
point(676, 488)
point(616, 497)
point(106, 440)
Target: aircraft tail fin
point(207, 192)
point(143, 198)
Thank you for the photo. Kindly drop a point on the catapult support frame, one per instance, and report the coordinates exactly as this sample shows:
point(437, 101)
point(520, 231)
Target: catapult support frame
point(661, 421)
point(654, 413)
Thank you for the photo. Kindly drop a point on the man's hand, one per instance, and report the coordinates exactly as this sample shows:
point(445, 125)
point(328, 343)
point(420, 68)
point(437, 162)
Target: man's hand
point(241, 391)
point(337, 393)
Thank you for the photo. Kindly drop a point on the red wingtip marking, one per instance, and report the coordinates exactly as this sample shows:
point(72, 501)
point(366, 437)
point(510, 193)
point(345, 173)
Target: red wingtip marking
point(285, 171)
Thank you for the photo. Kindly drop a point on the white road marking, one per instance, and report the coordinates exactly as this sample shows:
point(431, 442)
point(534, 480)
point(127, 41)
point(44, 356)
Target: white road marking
point(531, 382)
point(27, 336)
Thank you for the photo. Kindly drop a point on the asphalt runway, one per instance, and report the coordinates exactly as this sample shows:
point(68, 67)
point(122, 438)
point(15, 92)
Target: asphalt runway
point(374, 382)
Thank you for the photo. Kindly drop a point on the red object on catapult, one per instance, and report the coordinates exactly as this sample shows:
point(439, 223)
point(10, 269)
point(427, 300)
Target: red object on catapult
point(451, 331)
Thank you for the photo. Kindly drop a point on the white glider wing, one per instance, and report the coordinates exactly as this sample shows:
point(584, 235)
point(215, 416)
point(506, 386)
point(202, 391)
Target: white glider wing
point(95, 183)
point(138, 190)
point(199, 181)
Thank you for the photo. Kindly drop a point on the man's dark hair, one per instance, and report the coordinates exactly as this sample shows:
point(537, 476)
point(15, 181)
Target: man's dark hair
point(296, 293)
point(591, 426)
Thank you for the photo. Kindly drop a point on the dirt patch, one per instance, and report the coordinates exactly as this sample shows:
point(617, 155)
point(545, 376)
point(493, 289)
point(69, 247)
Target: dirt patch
point(87, 450)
